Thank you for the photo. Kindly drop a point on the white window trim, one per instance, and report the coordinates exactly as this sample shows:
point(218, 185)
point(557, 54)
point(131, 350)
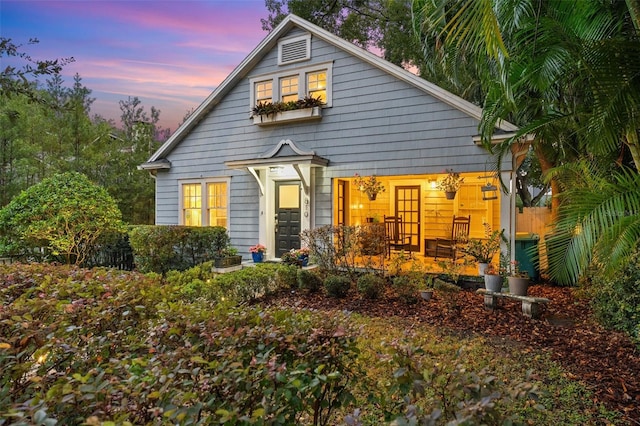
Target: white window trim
point(205, 199)
point(307, 56)
point(302, 82)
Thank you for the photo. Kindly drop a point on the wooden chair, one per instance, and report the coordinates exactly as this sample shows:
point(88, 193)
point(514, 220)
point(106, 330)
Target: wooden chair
point(395, 236)
point(446, 247)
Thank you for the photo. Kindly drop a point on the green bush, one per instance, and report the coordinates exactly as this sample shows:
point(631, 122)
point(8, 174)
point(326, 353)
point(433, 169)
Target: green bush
point(164, 248)
point(65, 215)
point(406, 287)
point(309, 280)
point(82, 346)
point(370, 285)
point(337, 285)
point(616, 298)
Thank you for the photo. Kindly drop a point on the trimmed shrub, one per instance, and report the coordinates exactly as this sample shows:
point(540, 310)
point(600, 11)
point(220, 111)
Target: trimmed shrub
point(308, 280)
point(65, 215)
point(337, 285)
point(163, 248)
point(406, 288)
point(370, 285)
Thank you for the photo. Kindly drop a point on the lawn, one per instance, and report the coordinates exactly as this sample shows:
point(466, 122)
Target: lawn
point(100, 346)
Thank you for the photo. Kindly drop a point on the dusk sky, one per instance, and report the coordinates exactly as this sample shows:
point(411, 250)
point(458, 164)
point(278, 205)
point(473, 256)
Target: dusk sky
point(171, 54)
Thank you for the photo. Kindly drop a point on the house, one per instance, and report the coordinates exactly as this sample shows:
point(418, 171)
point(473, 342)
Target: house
point(267, 177)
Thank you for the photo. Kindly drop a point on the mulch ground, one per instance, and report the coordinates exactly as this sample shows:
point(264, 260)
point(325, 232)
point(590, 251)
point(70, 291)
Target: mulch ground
point(607, 361)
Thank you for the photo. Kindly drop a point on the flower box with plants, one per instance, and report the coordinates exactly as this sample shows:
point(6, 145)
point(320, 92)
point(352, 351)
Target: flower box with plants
point(450, 183)
point(266, 113)
point(369, 185)
point(224, 255)
point(257, 252)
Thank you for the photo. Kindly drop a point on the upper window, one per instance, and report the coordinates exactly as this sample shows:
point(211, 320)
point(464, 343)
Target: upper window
point(294, 49)
point(317, 85)
point(293, 84)
point(264, 91)
point(289, 88)
point(210, 209)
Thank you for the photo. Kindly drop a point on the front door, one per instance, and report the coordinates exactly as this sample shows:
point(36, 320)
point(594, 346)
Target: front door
point(287, 216)
point(408, 206)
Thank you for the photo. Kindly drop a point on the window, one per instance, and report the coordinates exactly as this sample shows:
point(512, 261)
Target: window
point(192, 204)
point(289, 89)
point(264, 91)
point(208, 210)
point(317, 85)
point(217, 203)
point(292, 85)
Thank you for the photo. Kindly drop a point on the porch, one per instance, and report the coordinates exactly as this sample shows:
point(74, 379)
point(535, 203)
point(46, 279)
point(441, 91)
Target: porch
point(427, 213)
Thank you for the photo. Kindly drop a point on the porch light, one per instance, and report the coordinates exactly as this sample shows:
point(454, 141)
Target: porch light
point(433, 184)
point(489, 192)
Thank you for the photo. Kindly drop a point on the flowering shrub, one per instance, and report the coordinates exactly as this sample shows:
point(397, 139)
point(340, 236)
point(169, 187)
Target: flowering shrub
point(258, 248)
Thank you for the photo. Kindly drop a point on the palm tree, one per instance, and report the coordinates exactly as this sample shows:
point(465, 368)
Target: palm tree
point(565, 71)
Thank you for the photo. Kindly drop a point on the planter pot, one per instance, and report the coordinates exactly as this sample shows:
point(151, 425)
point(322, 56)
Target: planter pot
point(226, 262)
point(493, 283)
point(481, 268)
point(450, 195)
point(304, 260)
point(518, 286)
point(257, 257)
point(372, 197)
point(426, 294)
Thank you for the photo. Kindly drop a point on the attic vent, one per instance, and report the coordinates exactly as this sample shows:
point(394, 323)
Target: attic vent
point(294, 50)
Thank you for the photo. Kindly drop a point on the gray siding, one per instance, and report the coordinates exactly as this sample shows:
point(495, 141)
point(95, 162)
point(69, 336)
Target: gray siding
point(377, 125)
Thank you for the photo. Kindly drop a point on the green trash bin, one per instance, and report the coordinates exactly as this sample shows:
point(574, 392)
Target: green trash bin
point(527, 254)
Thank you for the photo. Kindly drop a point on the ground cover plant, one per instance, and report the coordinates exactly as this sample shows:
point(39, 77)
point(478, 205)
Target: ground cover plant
point(80, 345)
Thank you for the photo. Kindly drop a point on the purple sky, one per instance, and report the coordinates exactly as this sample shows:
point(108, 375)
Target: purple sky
point(171, 54)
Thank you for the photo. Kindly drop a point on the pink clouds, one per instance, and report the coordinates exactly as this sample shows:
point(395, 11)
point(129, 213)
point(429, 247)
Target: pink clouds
point(171, 54)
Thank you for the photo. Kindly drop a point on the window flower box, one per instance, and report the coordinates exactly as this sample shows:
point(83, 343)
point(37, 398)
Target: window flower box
point(304, 114)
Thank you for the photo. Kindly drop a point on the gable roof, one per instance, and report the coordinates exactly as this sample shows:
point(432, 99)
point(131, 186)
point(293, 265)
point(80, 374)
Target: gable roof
point(269, 42)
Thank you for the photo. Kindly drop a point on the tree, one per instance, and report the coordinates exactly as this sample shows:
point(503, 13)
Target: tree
point(15, 80)
point(66, 214)
point(561, 70)
point(382, 24)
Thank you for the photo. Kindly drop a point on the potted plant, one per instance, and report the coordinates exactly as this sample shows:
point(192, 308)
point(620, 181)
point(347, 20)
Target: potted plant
point(493, 278)
point(450, 184)
point(427, 292)
point(369, 185)
point(518, 280)
point(483, 250)
point(303, 255)
point(294, 256)
point(267, 111)
point(257, 252)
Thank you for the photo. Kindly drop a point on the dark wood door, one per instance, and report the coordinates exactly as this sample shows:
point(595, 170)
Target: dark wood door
point(287, 216)
point(408, 206)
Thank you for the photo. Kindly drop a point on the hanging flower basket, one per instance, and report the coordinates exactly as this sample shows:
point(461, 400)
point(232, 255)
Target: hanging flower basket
point(450, 195)
point(369, 185)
